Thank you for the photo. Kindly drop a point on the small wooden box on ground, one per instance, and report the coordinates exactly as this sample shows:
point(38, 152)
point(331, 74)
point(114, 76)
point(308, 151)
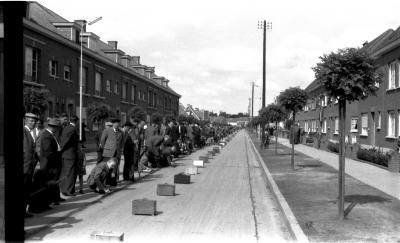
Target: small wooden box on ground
point(144, 207)
point(211, 152)
point(165, 190)
point(191, 171)
point(198, 163)
point(107, 236)
point(181, 178)
point(204, 158)
point(216, 149)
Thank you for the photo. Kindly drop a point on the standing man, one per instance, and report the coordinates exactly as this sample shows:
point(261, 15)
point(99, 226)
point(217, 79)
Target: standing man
point(44, 180)
point(30, 157)
point(97, 138)
point(129, 152)
point(111, 143)
point(69, 142)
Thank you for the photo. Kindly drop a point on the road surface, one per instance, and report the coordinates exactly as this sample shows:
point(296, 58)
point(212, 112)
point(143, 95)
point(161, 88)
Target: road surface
point(228, 200)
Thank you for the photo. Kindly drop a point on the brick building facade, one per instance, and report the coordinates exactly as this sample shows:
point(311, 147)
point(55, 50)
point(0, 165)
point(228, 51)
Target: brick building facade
point(373, 122)
point(110, 76)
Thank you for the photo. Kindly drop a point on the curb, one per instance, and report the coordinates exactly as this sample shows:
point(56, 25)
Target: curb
point(288, 216)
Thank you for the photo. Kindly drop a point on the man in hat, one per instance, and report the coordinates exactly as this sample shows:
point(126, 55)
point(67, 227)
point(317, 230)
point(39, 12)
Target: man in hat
point(69, 142)
point(111, 143)
point(129, 152)
point(45, 185)
point(30, 157)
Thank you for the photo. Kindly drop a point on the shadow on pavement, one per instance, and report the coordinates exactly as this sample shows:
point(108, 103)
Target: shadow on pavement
point(66, 222)
point(364, 199)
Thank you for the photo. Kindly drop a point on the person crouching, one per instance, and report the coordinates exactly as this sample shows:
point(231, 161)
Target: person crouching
point(97, 178)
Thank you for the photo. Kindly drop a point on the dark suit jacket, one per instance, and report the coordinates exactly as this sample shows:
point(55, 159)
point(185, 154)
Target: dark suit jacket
point(29, 152)
point(111, 143)
point(98, 175)
point(49, 157)
point(153, 143)
point(183, 131)
point(174, 133)
point(150, 131)
point(69, 142)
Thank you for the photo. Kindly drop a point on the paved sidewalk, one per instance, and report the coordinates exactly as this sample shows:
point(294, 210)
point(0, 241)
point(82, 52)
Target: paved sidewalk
point(374, 176)
point(311, 191)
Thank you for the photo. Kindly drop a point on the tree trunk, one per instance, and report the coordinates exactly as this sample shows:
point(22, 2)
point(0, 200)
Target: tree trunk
point(276, 138)
point(292, 157)
point(262, 134)
point(342, 126)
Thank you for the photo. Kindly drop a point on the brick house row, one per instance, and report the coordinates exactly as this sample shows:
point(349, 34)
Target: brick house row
point(110, 76)
point(373, 122)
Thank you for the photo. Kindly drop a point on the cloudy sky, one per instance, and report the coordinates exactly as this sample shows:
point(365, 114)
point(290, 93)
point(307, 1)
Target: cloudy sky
point(211, 50)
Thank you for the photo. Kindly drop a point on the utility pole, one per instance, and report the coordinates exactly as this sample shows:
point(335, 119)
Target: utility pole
point(264, 25)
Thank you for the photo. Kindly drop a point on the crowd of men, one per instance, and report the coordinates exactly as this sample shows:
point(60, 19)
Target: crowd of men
point(54, 160)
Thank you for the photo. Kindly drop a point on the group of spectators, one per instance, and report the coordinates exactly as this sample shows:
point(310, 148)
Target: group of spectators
point(53, 161)
point(56, 153)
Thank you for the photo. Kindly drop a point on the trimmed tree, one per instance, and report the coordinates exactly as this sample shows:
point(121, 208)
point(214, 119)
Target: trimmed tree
point(347, 75)
point(293, 99)
point(274, 113)
point(98, 113)
point(36, 100)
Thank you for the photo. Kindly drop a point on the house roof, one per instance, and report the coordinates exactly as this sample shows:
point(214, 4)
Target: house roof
point(45, 17)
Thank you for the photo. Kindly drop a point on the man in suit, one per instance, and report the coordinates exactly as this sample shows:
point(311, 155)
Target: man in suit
point(97, 139)
point(69, 142)
point(111, 143)
point(45, 185)
point(129, 152)
point(30, 157)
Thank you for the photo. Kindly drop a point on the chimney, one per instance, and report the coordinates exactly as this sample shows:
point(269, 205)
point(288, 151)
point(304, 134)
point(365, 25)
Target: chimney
point(113, 44)
point(136, 60)
point(81, 22)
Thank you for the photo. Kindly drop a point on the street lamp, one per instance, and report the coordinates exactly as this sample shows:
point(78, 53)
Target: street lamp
point(81, 75)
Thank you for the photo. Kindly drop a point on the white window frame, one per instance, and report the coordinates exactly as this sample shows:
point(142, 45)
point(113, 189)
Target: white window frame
point(98, 84)
point(336, 125)
point(31, 64)
point(364, 124)
point(392, 75)
point(116, 87)
point(354, 124)
point(324, 125)
point(391, 124)
point(379, 125)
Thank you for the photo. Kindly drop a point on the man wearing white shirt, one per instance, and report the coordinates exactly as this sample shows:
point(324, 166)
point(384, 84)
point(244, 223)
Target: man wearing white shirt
point(30, 156)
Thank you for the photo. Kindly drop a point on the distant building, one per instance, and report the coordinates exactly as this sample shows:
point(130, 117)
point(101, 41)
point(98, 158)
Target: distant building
point(373, 122)
point(110, 76)
point(201, 115)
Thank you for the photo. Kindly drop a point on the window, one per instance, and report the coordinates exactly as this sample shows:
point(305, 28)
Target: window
point(154, 99)
point(393, 70)
point(108, 86)
point(67, 72)
point(53, 66)
point(306, 126)
point(391, 124)
point(149, 97)
point(70, 110)
point(31, 64)
point(124, 91)
point(336, 125)
point(364, 124)
point(97, 84)
point(133, 94)
point(353, 125)
point(379, 120)
point(314, 125)
point(84, 79)
point(323, 129)
point(116, 88)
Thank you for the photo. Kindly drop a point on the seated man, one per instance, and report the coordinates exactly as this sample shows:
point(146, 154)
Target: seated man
point(96, 179)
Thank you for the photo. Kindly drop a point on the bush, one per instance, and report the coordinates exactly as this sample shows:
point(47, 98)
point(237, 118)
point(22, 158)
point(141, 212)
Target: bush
point(309, 140)
point(374, 155)
point(333, 147)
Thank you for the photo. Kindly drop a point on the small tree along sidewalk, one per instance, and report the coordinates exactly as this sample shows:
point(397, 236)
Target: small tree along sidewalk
point(347, 75)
